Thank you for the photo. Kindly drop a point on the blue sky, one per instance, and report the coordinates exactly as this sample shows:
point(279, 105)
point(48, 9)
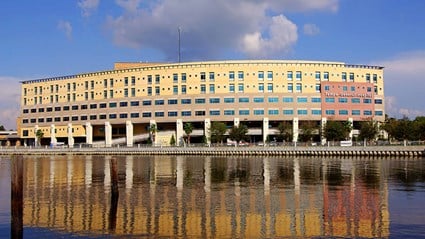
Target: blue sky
point(48, 38)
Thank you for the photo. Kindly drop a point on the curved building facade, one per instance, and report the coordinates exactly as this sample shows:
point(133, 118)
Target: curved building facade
point(122, 103)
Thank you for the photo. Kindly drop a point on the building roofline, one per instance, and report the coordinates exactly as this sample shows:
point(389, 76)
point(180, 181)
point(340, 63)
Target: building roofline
point(145, 65)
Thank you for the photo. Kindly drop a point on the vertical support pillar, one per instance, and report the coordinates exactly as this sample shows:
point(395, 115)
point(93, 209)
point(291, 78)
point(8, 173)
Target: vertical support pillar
point(36, 143)
point(236, 122)
point(89, 133)
point(53, 139)
point(108, 134)
point(352, 130)
point(179, 132)
point(207, 133)
point(129, 133)
point(295, 129)
point(323, 125)
point(70, 137)
point(265, 129)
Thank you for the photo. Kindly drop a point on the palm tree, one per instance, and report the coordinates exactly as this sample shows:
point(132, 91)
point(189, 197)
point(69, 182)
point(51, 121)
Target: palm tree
point(39, 134)
point(188, 128)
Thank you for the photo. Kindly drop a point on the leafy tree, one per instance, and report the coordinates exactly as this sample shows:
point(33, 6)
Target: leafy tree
point(404, 129)
point(172, 140)
point(285, 131)
point(217, 131)
point(337, 130)
point(419, 125)
point(39, 134)
point(2, 128)
point(390, 126)
point(368, 130)
point(188, 128)
point(308, 129)
point(238, 133)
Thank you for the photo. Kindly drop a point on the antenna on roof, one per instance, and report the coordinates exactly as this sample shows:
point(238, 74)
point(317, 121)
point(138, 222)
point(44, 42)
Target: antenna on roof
point(179, 57)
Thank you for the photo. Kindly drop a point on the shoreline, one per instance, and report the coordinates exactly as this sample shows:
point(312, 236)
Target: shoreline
point(380, 151)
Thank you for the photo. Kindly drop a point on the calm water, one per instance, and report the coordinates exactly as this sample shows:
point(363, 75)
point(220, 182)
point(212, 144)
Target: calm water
point(216, 197)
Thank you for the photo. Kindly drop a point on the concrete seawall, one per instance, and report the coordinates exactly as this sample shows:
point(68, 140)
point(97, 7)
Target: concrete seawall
point(374, 151)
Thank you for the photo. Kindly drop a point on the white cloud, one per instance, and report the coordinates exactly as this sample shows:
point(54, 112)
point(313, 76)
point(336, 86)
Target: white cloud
point(9, 101)
point(66, 28)
point(405, 84)
point(311, 29)
point(253, 28)
point(88, 6)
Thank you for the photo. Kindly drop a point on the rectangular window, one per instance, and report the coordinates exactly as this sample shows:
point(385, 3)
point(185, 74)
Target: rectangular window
point(231, 75)
point(355, 100)
point(302, 100)
point(273, 111)
point(299, 88)
point(240, 88)
point(343, 100)
point(157, 90)
point(316, 100)
point(269, 87)
point(157, 79)
point(243, 112)
point(288, 99)
point(134, 103)
point(175, 78)
point(203, 76)
point(134, 115)
point(302, 112)
point(83, 117)
point(378, 101)
point(317, 74)
point(183, 89)
point(146, 114)
point(326, 76)
point(240, 75)
point(200, 101)
point(367, 112)
point(74, 107)
point(269, 75)
point(214, 100)
point(289, 75)
point(123, 116)
point(343, 112)
point(112, 116)
point(258, 100)
point(368, 78)
point(102, 105)
point(186, 113)
point(261, 75)
point(200, 113)
point(175, 90)
point(133, 80)
point(244, 100)
point(203, 89)
point(172, 114)
point(288, 112)
point(229, 100)
point(344, 76)
point(159, 102)
point(172, 101)
point(111, 82)
point(330, 100)
point(261, 87)
point(351, 76)
point(212, 76)
point(186, 101)
point(159, 114)
point(229, 112)
point(126, 81)
point(316, 112)
point(353, 88)
point(123, 104)
point(298, 75)
point(111, 93)
point(379, 113)
point(146, 102)
point(290, 87)
point(149, 90)
point(183, 77)
point(344, 88)
point(367, 101)
point(212, 88)
point(133, 92)
point(273, 100)
point(317, 87)
point(375, 78)
point(102, 117)
point(231, 88)
point(214, 112)
point(330, 112)
point(84, 107)
point(258, 112)
point(112, 104)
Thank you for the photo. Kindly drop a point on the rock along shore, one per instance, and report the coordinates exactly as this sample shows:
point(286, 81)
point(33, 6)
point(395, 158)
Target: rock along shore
point(375, 151)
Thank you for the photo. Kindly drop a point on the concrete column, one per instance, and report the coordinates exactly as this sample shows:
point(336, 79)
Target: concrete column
point(89, 133)
point(322, 125)
point(70, 137)
point(128, 173)
point(352, 130)
point(53, 139)
point(266, 175)
point(153, 122)
point(179, 132)
point(207, 133)
point(236, 122)
point(129, 133)
point(35, 135)
point(108, 134)
point(265, 129)
point(295, 129)
point(179, 172)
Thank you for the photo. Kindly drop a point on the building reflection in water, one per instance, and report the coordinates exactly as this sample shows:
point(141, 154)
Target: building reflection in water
point(205, 197)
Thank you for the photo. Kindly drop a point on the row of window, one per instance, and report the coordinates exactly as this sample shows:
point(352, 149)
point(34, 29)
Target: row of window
point(353, 100)
point(226, 112)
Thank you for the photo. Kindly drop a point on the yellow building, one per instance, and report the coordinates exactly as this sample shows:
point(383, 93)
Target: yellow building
point(118, 106)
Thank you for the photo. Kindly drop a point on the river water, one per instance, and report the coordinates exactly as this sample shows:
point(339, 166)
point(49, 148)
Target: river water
point(216, 197)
